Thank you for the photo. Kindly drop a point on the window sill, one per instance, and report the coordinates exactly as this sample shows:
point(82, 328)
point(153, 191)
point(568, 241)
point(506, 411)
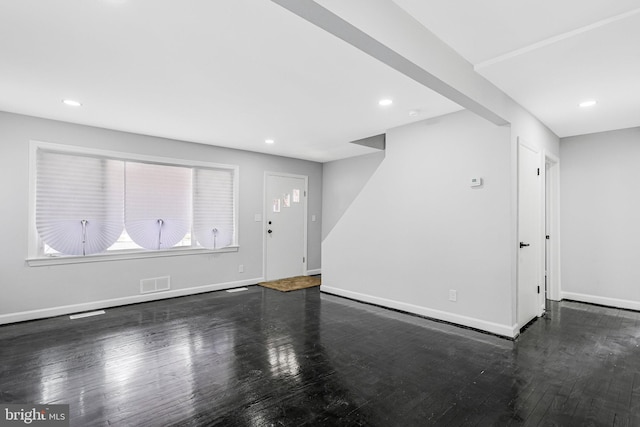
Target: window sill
point(62, 260)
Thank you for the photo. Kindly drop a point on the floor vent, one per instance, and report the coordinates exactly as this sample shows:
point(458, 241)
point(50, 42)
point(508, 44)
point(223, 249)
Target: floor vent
point(237, 289)
point(155, 284)
point(87, 314)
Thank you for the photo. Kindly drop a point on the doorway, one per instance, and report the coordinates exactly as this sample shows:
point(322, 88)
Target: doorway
point(552, 228)
point(285, 208)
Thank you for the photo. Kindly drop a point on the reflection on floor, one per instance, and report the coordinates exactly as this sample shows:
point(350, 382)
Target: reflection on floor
point(263, 357)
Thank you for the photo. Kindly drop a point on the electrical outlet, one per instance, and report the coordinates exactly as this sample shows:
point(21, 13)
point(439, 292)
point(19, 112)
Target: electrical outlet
point(453, 295)
point(241, 268)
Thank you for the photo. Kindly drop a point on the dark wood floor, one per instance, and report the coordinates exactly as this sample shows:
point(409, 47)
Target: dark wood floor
point(265, 358)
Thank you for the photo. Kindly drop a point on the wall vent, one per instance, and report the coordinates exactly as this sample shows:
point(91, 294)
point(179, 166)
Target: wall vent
point(155, 284)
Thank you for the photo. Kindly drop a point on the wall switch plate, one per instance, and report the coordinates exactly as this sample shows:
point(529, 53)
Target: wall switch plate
point(313, 218)
point(453, 295)
point(241, 268)
point(257, 217)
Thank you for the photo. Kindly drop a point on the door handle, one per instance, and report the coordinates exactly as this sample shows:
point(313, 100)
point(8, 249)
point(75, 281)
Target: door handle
point(269, 231)
point(522, 245)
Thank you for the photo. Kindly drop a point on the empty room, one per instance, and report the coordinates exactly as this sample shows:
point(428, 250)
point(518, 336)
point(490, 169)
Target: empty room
point(319, 212)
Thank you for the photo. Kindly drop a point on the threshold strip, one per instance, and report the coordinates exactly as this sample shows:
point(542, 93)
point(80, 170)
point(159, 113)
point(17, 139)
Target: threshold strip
point(87, 314)
point(237, 290)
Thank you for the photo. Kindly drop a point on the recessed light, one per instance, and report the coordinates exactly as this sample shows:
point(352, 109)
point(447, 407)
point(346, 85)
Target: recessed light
point(385, 102)
point(71, 103)
point(589, 103)
point(269, 141)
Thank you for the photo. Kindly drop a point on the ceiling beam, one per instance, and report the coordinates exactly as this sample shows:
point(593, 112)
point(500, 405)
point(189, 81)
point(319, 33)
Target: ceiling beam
point(393, 37)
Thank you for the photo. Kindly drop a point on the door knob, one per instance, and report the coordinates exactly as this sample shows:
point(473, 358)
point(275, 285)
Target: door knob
point(522, 244)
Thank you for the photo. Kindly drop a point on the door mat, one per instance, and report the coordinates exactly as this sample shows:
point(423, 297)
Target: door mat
point(292, 283)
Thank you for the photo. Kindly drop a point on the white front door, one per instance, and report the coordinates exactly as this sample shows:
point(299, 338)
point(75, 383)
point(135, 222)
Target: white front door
point(529, 234)
point(285, 225)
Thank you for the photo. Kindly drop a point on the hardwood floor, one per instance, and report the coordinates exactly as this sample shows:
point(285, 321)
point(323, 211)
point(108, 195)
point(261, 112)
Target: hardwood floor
point(266, 358)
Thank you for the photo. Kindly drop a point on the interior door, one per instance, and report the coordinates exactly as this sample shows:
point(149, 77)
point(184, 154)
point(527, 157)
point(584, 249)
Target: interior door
point(285, 207)
point(529, 233)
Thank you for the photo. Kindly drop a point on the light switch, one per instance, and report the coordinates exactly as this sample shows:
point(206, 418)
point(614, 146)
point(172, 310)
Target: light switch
point(257, 217)
point(313, 218)
point(476, 182)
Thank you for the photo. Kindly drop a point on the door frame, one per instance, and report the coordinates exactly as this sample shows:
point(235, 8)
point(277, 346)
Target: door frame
point(265, 206)
point(541, 228)
point(551, 190)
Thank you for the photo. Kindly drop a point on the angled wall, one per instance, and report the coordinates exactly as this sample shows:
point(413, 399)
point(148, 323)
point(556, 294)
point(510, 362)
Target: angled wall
point(344, 181)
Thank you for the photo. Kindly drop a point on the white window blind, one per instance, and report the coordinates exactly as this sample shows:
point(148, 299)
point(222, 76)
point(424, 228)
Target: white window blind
point(91, 201)
point(79, 202)
point(157, 204)
point(213, 207)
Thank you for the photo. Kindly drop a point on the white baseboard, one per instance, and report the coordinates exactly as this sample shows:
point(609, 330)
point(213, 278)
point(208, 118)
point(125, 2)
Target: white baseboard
point(494, 328)
point(314, 272)
point(594, 299)
point(133, 299)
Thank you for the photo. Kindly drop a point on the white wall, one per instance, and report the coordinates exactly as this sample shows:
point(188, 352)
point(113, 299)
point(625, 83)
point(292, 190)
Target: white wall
point(600, 218)
point(417, 229)
point(342, 182)
point(30, 292)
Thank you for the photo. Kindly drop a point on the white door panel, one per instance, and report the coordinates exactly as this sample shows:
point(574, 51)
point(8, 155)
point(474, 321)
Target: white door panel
point(285, 207)
point(529, 234)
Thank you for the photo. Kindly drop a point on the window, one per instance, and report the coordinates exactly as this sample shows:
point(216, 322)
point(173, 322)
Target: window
point(157, 208)
point(91, 202)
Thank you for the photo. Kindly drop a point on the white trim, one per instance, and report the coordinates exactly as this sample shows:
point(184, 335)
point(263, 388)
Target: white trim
point(529, 145)
point(494, 328)
point(313, 272)
point(134, 299)
point(594, 299)
point(550, 156)
point(124, 155)
point(266, 203)
point(114, 256)
point(34, 248)
point(515, 251)
point(553, 198)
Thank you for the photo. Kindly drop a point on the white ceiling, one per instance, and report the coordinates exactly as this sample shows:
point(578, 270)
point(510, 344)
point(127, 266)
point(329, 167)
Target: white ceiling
point(237, 72)
point(549, 55)
point(228, 73)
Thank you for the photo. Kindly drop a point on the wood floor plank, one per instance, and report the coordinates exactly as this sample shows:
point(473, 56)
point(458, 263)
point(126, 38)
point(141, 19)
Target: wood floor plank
point(263, 357)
